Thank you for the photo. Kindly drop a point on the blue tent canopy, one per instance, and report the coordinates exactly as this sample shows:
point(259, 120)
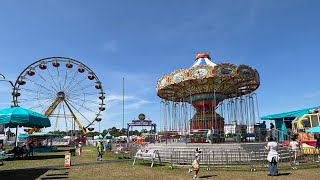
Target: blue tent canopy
point(12, 117)
point(39, 135)
point(296, 113)
point(108, 136)
point(314, 129)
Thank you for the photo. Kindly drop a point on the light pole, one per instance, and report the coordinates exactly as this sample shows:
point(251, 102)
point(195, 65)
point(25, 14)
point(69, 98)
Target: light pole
point(3, 78)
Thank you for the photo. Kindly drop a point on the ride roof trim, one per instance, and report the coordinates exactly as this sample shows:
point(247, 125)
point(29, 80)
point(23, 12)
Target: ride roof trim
point(202, 61)
point(296, 113)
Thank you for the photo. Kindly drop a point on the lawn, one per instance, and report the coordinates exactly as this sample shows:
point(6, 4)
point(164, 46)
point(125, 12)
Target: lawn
point(86, 167)
point(89, 154)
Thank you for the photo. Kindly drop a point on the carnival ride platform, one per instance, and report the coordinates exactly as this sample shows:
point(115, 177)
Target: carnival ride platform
point(222, 153)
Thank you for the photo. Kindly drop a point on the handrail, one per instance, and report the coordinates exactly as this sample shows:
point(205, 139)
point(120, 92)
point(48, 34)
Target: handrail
point(280, 135)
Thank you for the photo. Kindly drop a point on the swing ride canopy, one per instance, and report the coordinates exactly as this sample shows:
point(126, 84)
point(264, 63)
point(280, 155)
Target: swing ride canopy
point(206, 80)
point(204, 85)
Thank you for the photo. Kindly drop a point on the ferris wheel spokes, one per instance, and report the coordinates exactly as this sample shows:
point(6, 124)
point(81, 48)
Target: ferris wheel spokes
point(42, 86)
point(57, 86)
point(79, 112)
point(75, 118)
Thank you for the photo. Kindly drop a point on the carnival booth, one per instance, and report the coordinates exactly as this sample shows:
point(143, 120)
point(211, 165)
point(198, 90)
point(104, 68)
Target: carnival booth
point(41, 142)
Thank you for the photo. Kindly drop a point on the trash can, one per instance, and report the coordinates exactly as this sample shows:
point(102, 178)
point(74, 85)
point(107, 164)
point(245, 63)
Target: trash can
point(72, 152)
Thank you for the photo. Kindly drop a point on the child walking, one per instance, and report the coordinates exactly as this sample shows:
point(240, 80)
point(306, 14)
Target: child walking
point(196, 164)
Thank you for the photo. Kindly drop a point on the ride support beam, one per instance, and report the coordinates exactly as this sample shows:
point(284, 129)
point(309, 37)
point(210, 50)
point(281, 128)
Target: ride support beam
point(48, 112)
point(75, 118)
point(53, 106)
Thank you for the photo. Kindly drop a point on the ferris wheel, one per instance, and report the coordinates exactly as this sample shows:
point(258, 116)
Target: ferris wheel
point(64, 89)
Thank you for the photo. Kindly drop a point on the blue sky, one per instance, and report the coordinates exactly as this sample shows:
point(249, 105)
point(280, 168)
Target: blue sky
point(143, 40)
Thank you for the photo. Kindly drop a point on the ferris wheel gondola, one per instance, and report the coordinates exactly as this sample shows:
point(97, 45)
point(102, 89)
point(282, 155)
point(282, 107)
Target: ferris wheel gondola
point(64, 89)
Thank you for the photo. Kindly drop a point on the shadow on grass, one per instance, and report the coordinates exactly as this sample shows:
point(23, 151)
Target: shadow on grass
point(124, 158)
point(53, 156)
point(63, 150)
point(22, 174)
point(55, 177)
point(58, 174)
point(284, 174)
point(155, 164)
point(207, 176)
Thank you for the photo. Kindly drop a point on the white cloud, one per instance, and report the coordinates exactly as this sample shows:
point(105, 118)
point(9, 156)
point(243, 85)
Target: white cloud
point(130, 102)
point(114, 97)
point(137, 104)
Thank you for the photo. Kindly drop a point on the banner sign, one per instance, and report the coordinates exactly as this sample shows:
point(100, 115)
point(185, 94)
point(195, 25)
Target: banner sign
point(146, 122)
point(67, 159)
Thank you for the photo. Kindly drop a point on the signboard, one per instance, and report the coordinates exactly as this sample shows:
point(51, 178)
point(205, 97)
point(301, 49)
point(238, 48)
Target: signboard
point(146, 122)
point(1, 128)
point(67, 159)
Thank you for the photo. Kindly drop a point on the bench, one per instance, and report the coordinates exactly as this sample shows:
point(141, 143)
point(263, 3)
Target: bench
point(150, 155)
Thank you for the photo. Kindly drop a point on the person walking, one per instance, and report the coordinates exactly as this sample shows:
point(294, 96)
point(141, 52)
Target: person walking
point(100, 150)
point(294, 147)
point(30, 146)
point(79, 147)
point(209, 136)
point(272, 131)
point(196, 164)
point(273, 157)
point(318, 142)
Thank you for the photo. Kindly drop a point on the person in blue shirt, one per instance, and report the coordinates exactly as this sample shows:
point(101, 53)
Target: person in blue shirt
point(263, 125)
point(263, 130)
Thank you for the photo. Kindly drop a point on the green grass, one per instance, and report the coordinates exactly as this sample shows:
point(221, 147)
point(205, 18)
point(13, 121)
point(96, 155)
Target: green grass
point(84, 168)
point(89, 154)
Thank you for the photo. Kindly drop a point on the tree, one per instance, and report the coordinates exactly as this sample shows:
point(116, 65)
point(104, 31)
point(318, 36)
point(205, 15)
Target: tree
point(136, 132)
point(104, 132)
point(144, 131)
point(114, 132)
point(92, 134)
point(123, 131)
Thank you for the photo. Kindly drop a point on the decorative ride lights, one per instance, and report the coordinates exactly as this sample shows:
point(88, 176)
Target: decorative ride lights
point(64, 89)
point(206, 86)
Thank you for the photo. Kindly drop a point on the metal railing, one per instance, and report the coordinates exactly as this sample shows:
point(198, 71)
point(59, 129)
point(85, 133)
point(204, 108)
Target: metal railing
point(240, 158)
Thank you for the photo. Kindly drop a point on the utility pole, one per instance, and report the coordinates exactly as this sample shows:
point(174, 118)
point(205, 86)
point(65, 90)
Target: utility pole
point(123, 103)
point(3, 78)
